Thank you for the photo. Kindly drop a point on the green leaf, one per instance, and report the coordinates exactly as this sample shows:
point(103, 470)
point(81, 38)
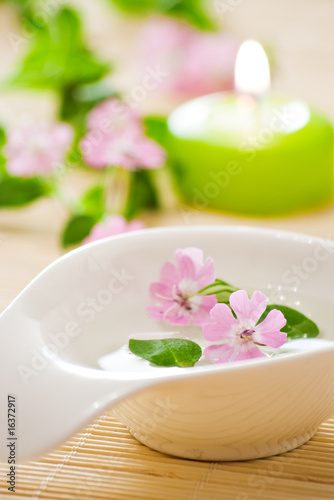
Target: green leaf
point(221, 289)
point(77, 229)
point(16, 191)
point(79, 100)
point(191, 10)
point(167, 352)
point(142, 193)
point(93, 202)
point(3, 171)
point(133, 6)
point(297, 324)
point(58, 57)
point(2, 137)
point(156, 128)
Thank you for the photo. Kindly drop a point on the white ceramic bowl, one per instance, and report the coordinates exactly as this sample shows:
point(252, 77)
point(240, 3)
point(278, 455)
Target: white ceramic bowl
point(86, 305)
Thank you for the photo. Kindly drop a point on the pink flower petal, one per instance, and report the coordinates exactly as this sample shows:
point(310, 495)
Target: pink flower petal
point(203, 312)
point(161, 291)
point(37, 149)
point(114, 224)
point(233, 351)
point(187, 268)
point(246, 309)
point(268, 332)
point(135, 225)
point(169, 274)
point(222, 325)
point(206, 274)
point(195, 254)
point(149, 154)
point(248, 350)
point(220, 352)
point(174, 317)
point(112, 115)
point(156, 312)
point(188, 57)
point(128, 148)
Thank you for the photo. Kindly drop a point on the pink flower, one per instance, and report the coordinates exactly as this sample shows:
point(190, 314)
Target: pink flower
point(116, 137)
point(176, 294)
point(37, 149)
point(193, 62)
point(242, 334)
point(129, 150)
point(113, 115)
point(115, 224)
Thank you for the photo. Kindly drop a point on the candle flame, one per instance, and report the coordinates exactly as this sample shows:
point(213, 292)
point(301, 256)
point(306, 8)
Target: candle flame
point(252, 75)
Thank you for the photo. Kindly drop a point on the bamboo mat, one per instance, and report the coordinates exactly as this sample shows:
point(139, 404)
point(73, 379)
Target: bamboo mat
point(105, 462)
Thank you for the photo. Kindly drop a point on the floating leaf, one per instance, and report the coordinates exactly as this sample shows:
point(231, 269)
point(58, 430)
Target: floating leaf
point(297, 324)
point(167, 352)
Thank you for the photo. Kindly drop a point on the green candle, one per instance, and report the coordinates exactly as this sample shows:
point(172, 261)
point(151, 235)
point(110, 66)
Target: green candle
point(250, 154)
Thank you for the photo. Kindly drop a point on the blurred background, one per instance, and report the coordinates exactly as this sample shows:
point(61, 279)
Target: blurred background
point(60, 61)
point(299, 32)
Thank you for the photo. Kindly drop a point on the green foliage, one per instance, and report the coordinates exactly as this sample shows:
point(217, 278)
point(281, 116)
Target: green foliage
point(16, 191)
point(298, 326)
point(167, 352)
point(77, 229)
point(192, 11)
point(156, 129)
point(142, 193)
point(221, 289)
point(78, 101)
point(58, 59)
point(2, 159)
point(93, 202)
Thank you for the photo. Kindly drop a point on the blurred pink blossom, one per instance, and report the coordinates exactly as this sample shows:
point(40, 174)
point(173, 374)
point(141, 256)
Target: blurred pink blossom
point(116, 137)
point(37, 149)
point(197, 62)
point(114, 224)
point(129, 150)
point(113, 116)
point(242, 334)
point(175, 296)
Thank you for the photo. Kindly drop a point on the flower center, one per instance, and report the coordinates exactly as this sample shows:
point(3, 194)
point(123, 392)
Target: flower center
point(245, 334)
point(185, 297)
point(183, 300)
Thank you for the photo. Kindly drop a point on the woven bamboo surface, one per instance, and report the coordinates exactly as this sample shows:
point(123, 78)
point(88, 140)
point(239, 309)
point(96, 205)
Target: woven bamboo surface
point(106, 462)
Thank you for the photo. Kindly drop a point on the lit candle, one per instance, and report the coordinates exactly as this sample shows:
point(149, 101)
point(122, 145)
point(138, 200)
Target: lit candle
point(251, 152)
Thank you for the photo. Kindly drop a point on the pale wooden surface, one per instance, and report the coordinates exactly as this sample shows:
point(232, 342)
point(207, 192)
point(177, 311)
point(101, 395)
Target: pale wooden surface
point(105, 461)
